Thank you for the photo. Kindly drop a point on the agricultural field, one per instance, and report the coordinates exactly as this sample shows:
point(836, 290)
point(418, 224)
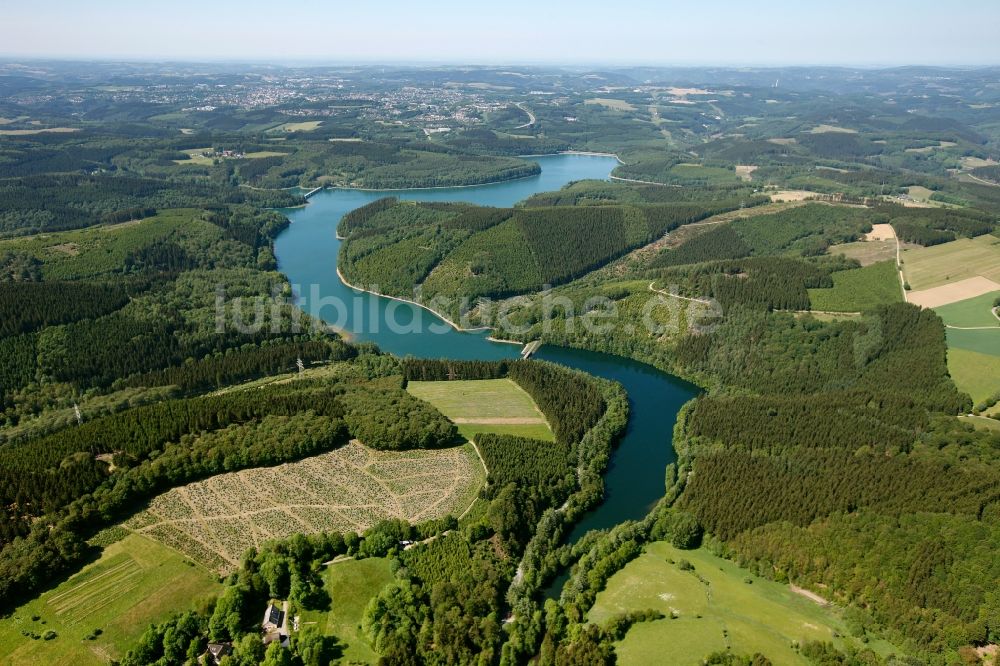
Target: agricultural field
point(304, 126)
point(259, 154)
point(788, 196)
point(830, 129)
point(351, 584)
point(920, 194)
point(616, 104)
point(973, 345)
point(970, 162)
point(718, 606)
point(859, 289)
point(214, 521)
point(489, 405)
point(951, 262)
point(135, 582)
point(39, 130)
point(953, 292)
point(196, 156)
point(970, 312)
point(975, 372)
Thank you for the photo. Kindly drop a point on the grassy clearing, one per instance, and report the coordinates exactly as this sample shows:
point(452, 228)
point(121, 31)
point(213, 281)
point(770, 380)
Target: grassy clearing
point(40, 130)
point(304, 126)
point(616, 104)
point(830, 316)
point(214, 521)
point(263, 153)
point(970, 312)
point(722, 612)
point(975, 162)
point(919, 193)
point(197, 156)
point(867, 252)
point(351, 585)
point(974, 372)
point(787, 196)
point(489, 405)
point(134, 583)
point(931, 149)
point(859, 289)
point(827, 129)
point(950, 262)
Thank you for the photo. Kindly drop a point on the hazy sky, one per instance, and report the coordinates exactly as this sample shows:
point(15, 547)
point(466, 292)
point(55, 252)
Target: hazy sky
point(751, 32)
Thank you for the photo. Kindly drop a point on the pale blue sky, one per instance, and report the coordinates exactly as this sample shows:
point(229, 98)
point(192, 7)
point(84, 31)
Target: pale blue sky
point(761, 32)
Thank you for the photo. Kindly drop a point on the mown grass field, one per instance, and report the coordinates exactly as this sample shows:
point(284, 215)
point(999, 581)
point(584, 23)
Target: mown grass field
point(616, 104)
point(351, 584)
point(950, 262)
point(973, 355)
point(859, 289)
point(970, 312)
point(984, 341)
point(304, 126)
point(487, 405)
point(196, 156)
point(214, 521)
point(975, 373)
point(39, 130)
point(135, 582)
point(721, 611)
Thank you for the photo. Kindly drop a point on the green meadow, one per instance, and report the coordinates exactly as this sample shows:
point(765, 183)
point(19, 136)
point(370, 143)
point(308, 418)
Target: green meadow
point(975, 373)
point(859, 289)
point(971, 311)
point(715, 606)
point(351, 584)
point(98, 613)
point(487, 405)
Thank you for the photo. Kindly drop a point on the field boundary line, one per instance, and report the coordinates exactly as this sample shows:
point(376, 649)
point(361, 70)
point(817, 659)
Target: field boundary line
point(973, 328)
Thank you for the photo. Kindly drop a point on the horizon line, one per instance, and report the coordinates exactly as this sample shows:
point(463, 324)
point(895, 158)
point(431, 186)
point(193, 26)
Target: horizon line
point(322, 61)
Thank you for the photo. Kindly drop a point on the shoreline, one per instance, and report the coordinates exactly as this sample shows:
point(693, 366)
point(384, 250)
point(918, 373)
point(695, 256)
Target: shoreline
point(592, 154)
point(456, 187)
point(641, 182)
point(340, 276)
point(432, 187)
point(440, 316)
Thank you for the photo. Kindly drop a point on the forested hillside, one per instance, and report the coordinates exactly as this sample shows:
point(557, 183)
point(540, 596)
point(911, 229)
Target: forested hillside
point(455, 251)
